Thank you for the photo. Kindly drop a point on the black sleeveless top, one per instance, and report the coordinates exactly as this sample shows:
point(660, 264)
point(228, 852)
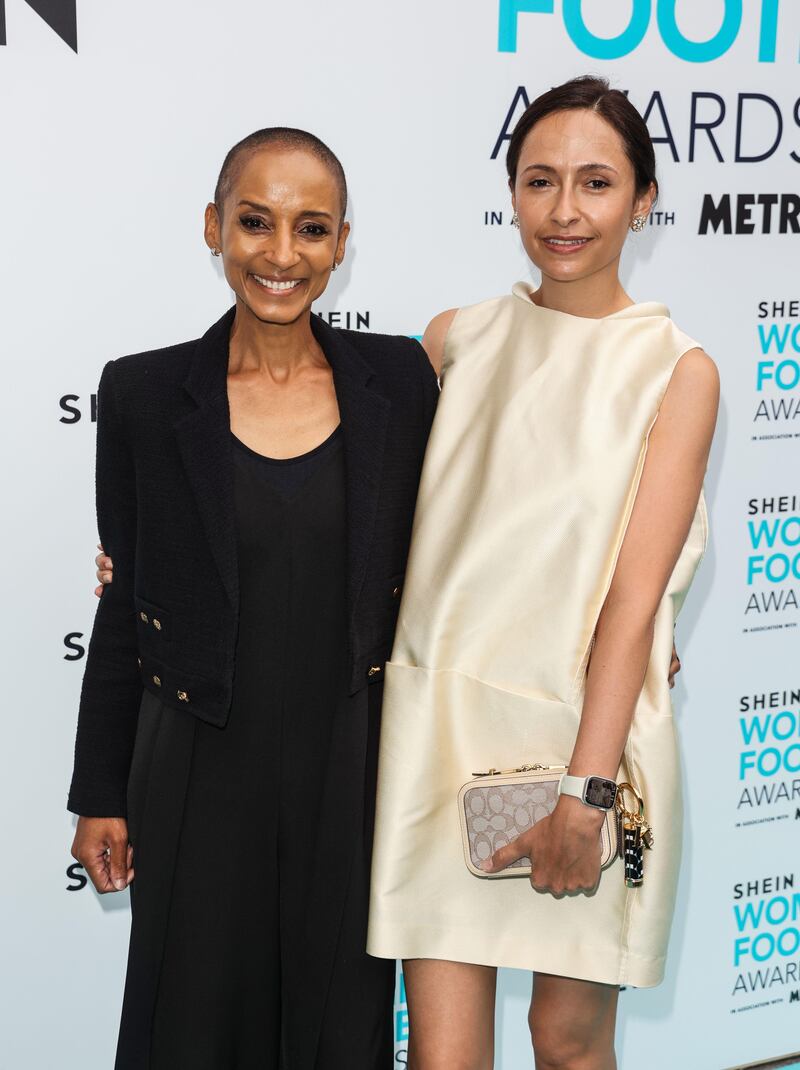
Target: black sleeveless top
point(291, 655)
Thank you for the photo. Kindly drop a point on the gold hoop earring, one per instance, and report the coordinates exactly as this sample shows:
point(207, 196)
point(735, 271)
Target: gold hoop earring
point(515, 220)
point(639, 223)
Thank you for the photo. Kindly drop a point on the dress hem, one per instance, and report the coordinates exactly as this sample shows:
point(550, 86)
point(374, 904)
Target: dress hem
point(607, 965)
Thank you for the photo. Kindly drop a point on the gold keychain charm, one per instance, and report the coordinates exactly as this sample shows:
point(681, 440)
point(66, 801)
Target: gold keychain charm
point(635, 834)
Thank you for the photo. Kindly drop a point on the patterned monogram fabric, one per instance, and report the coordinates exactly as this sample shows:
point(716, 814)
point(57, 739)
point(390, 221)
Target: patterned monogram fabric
point(496, 814)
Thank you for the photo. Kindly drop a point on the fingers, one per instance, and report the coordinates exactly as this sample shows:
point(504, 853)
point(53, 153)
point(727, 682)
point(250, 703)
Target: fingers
point(502, 858)
point(118, 862)
point(105, 568)
point(94, 859)
point(101, 846)
point(674, 666)
point(560, 886)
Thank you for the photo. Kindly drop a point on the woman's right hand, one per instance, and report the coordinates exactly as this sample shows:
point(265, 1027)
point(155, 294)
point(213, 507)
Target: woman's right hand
point(101, 846)
point(105, 569)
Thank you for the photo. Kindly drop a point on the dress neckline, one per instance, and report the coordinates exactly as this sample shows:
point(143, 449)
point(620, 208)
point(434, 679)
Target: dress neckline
point(639, 310)
point(334, 435)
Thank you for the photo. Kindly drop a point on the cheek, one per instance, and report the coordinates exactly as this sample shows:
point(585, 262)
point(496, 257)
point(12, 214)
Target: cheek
point(320, 257)
point(533, 215)
point(611, 215)
point(237, 249)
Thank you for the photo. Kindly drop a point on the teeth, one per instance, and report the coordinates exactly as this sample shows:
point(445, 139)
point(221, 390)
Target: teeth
point(271, 284)
point(563, 241)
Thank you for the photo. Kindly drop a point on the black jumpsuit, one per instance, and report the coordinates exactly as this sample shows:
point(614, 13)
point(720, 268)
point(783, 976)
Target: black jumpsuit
point(233, 947)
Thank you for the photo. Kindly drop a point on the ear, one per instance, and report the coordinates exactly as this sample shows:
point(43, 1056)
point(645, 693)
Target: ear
point(342, 242)
point(213, 227)
point(643, 205)
point(513, 195)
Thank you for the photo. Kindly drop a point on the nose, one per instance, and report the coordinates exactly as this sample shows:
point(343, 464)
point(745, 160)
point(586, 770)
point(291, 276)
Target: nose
point(565, 211)
point(282, 250)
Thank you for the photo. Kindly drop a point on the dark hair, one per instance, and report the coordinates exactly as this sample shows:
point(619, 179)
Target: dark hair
point(286, 137)
point(596, 95)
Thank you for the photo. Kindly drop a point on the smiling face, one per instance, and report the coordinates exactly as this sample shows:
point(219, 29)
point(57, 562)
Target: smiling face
point(575, 194)
point(280, 232)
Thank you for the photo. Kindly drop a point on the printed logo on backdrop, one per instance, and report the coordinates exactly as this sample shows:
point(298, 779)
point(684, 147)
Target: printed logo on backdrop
point(75, 649)
point(400, 1020)
point(667, 23)
point(76, 875)
point(60, 15)
point(768, 736)
point(766, 942)
point(765, 910)
point(75, 407)
point(350, 320)
point(776, 380)
point(773, 563)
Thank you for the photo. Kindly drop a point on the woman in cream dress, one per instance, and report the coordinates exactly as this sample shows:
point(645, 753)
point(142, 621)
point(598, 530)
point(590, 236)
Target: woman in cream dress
point(559, 523)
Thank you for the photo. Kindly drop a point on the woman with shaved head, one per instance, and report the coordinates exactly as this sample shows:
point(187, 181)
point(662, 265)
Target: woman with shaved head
point(255, 489)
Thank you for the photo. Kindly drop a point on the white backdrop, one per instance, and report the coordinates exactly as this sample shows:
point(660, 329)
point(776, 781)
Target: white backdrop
point(109, 155)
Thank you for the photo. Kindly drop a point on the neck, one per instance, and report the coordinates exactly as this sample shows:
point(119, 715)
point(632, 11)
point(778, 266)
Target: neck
point(594, 297)
point(277, 349)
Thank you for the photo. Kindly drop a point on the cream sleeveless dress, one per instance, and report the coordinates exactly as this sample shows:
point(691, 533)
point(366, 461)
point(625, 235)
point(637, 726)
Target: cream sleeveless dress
point(528, 484)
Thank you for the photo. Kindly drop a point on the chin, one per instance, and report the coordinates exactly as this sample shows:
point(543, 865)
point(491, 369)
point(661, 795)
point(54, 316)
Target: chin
point(270, 314)
point(566, 272)
point(275, 311)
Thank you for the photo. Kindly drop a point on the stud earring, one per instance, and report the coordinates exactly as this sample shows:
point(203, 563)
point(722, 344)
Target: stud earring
point(215, 252)
point(515, 220)
point(639, 223)
point(335, 266)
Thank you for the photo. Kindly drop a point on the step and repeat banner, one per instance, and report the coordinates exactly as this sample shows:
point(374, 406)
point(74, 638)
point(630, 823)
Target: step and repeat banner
point(115, 118)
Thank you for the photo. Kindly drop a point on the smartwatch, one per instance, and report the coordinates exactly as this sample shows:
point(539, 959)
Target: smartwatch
point(594, 791)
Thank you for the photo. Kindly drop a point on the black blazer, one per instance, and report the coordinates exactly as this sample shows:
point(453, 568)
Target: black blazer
point(168, 622)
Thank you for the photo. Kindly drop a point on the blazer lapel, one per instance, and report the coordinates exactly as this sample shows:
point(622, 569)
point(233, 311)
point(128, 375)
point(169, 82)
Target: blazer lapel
point(203, 438)
point(365, 419)
point(204, 441)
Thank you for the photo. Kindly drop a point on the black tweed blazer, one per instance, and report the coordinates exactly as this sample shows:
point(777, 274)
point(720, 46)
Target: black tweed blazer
point(168, 622)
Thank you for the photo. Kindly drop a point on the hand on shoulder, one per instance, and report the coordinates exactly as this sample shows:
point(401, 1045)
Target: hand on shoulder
point(433, 339)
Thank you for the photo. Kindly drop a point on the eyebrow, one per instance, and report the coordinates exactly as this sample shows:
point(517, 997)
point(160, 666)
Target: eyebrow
point(266, 208)
point(583, 168)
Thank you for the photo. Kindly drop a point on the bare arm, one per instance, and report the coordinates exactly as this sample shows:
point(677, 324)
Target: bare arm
point(565, 846)
point(662, 515)
point(433, 339)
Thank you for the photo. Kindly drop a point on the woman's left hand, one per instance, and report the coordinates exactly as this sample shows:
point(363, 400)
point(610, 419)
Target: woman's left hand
point(564, 849)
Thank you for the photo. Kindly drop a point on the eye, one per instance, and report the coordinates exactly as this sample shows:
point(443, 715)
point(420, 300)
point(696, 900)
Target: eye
point(314, 230)
point(539, 183)
point(598, 183)
point(252, 222)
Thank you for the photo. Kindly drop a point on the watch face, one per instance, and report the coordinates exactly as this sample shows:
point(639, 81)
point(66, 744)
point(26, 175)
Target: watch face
point(600, 792)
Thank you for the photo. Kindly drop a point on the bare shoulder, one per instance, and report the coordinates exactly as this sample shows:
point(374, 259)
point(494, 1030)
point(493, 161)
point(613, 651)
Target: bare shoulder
point(690, 404)
point(696, 371)
point(435, 334)
point(695, 382)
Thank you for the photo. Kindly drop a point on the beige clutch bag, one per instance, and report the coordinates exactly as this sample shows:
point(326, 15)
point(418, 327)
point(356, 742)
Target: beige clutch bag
point(496, 807)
